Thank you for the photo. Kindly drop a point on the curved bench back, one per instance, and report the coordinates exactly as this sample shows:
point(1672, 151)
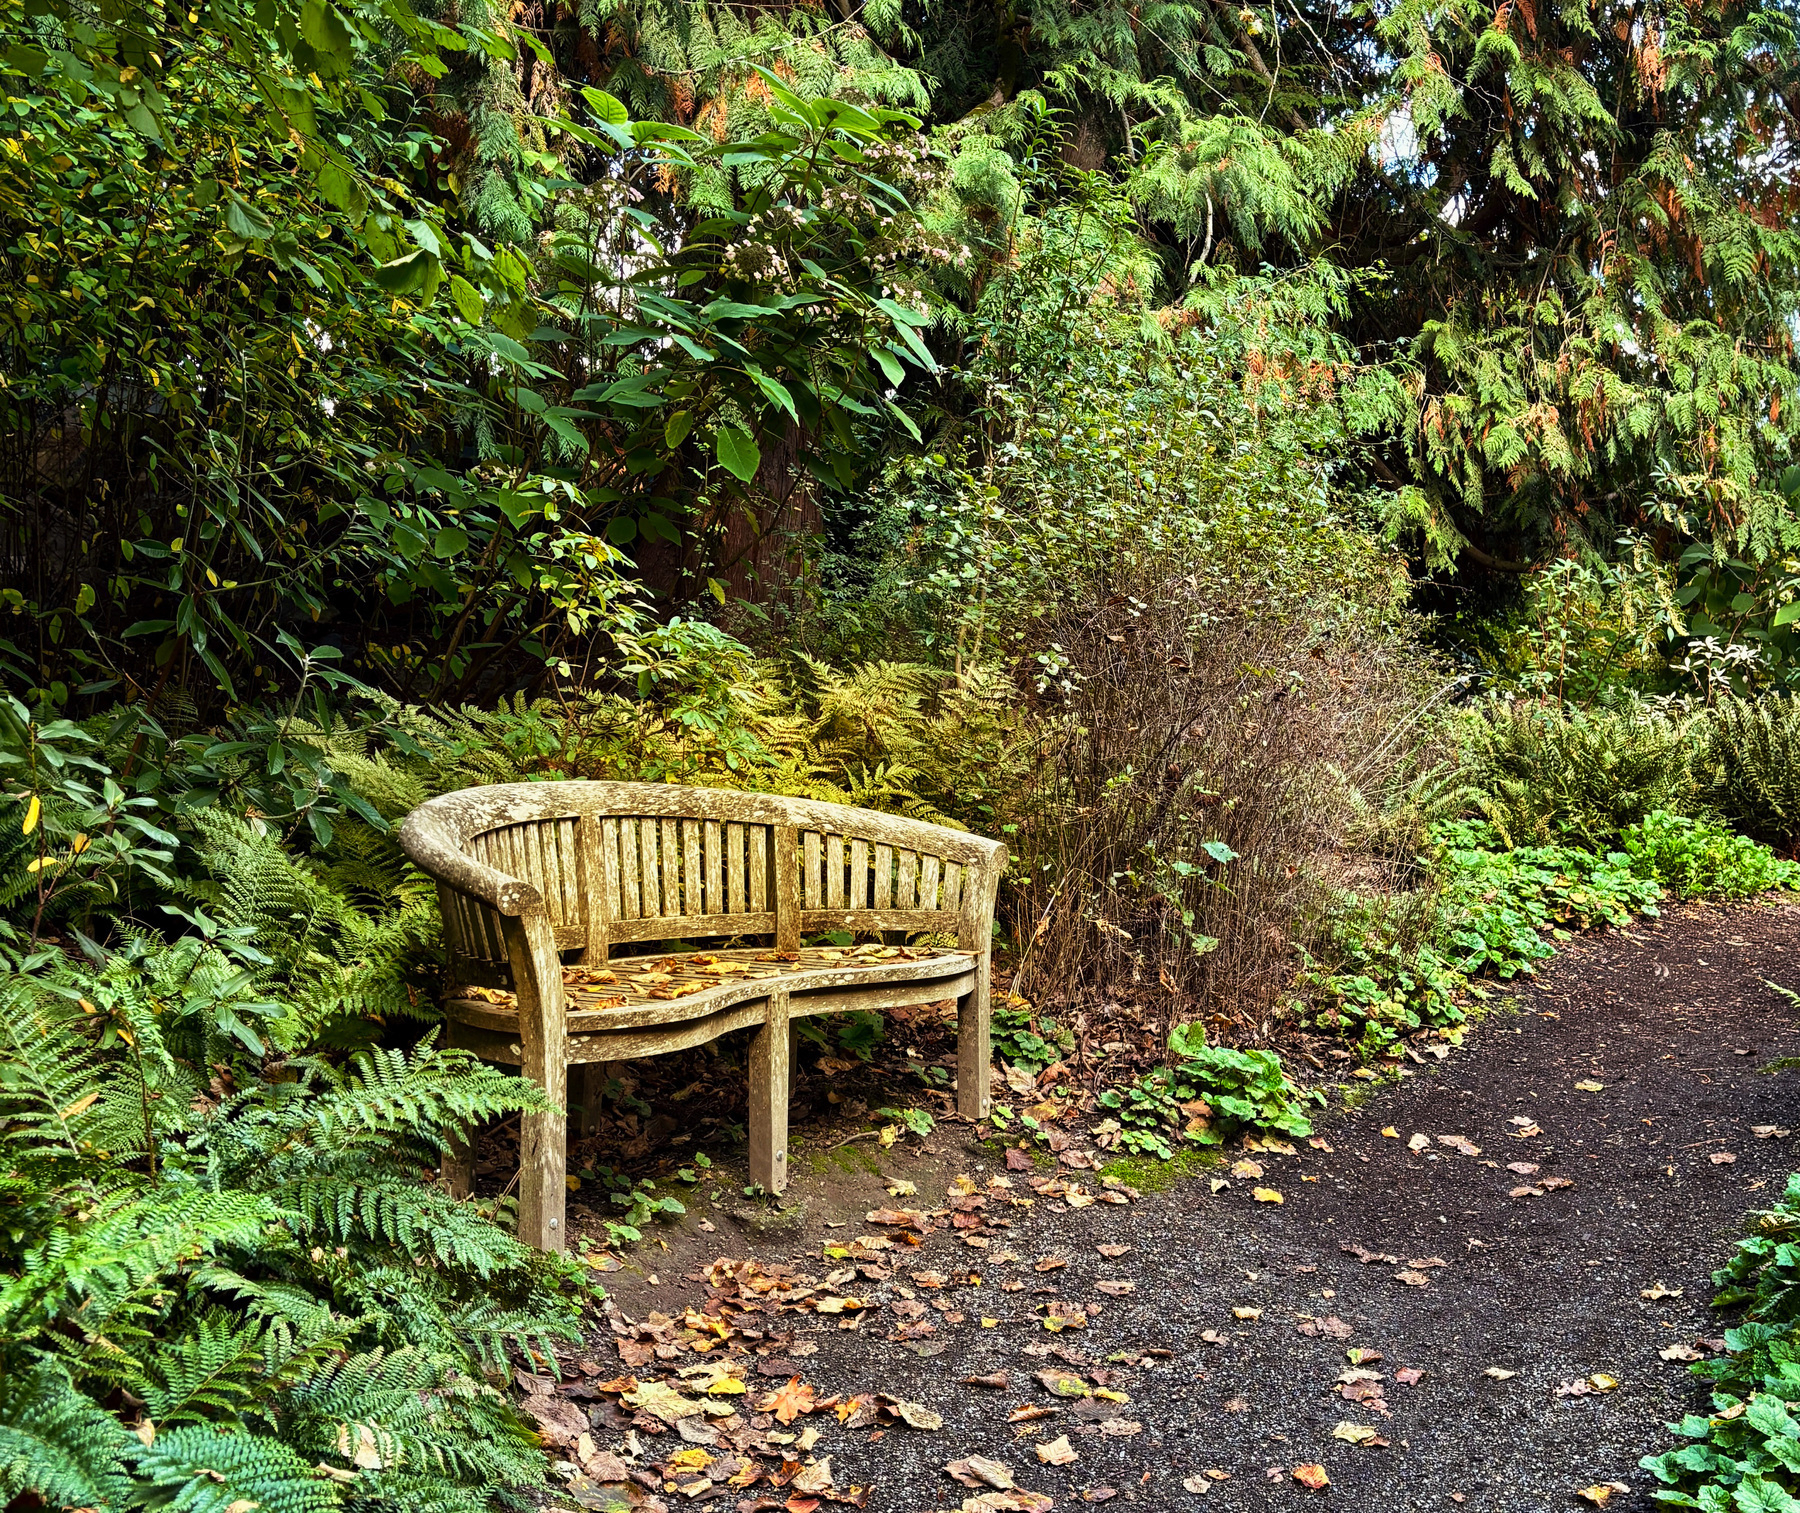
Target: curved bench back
point(616, 863)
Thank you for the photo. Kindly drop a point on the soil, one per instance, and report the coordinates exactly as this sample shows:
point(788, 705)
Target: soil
point(1423, 1255)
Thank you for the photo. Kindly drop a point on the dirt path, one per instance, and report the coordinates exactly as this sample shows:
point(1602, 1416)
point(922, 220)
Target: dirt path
point(1675, 1025)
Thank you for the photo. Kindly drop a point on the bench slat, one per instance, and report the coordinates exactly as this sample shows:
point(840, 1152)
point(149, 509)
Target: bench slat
point(859, 874)
point(906, 896)
point(693, 892)
point(671, 869)
point(884, 877)
point(811, 872)
point(834, 871)
point(736, 903)
point(928, 881)
point(715, 898)
point(757, 866)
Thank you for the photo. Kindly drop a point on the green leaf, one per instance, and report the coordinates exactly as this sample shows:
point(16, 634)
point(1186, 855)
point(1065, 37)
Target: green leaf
point(738, 453)
point(327, 34)
point(406, 275)
point(467, 301)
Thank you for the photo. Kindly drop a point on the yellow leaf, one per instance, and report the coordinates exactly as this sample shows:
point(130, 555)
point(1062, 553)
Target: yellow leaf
point(32, 811)
point(81, 1106)
point(37, 864)
point(725, 1386)
point(1391, 1133)
point(989, 1323)
point(574, 1183)
point(1266, 1195)
point(78, 845)
point(1601, 1382)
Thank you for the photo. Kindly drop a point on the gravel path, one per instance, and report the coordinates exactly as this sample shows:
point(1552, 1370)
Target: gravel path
point(1672, 1022)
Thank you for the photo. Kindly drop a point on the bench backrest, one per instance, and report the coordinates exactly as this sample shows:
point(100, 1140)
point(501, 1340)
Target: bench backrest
point(619, 863)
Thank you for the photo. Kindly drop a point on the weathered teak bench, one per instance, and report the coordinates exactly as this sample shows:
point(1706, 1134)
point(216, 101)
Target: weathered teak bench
point(542, 884)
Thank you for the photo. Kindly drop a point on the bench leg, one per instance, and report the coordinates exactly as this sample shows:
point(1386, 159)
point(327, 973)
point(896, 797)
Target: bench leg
point(974, 1051)
point(457, 1170)
point(585, 1082)
point(543, 1041)
point(770, 1056)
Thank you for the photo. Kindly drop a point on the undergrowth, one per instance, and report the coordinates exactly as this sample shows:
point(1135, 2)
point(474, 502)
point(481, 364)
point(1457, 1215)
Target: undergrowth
point(1744, 1457)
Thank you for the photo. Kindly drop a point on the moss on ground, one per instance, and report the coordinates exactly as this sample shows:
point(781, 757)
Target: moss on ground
point(1151, 1174)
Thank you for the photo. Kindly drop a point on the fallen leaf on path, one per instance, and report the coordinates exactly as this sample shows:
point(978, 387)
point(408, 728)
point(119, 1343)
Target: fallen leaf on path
point(993, 1379)
point(1601, 1492)
point(1017, 1161)
point(1601, 1382)
point(1770, 1132)
point(1058, 1452)
point(1721, 1158)
point(1358, 1374)
point(1358, 1434)
point(1391, 1133)
point(1113, 1252)
point(1026, 1412)
point(1246, 1170)
point(1357, 1356)
point(1552, 1184)
point(787, 1403)
point(1330, 1327)
point(1419, 1143)
point(1120, 1428)
point(1526, 1192)
point(1500, 1373)
point(1197, 1484)
point(1521, 1120)
point(1523, 1168)
point(1588, 1085)
point(1116, 1289)
point(1409, 1376)
point(815, 1478)
point(918, 1416)
point(1236, 1404)
point(1656, 1291)
point(1051, 1263)
point(662, 1401)
point(1681, 1353)
point(1312, 1477)
point(1017, 1500)
point(1412, 1278)
point(979, 1471)
point(1266, 1195)
point(1461, 1144)
point(899, 1187)
point(1062, 1383)
point(1248, 1314)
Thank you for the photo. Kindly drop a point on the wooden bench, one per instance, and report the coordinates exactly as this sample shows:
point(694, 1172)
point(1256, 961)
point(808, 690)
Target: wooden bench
point(546, 889)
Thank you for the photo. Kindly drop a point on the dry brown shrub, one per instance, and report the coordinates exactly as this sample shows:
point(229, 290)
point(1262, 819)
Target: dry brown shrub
point(1190, 724)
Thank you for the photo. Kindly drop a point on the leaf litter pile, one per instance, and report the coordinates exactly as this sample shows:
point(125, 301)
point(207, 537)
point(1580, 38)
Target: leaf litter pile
point(1491, 1301)
point(712, 1403)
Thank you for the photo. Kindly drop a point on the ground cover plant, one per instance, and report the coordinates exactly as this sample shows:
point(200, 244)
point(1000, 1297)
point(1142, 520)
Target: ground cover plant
point(1746, 1452)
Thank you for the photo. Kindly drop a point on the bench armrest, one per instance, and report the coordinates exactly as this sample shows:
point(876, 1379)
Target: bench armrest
point(439, 853)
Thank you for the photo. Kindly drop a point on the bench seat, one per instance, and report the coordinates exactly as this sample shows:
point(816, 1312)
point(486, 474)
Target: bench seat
point(540, 883)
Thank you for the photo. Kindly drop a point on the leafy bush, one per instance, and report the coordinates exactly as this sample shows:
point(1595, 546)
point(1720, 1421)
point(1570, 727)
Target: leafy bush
point(1745, 1455)
point(1208, 1094)
point(1488, 914)
point(1546, 774)
point(1747, 766)
point(1698, 858)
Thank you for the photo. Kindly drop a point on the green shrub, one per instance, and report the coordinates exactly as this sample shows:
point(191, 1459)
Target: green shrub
point(1489, 916)
point(1747, 766)
point(1745, 1455)
point(1699, 858)
point(1239, 1090)
point(1543, 775)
